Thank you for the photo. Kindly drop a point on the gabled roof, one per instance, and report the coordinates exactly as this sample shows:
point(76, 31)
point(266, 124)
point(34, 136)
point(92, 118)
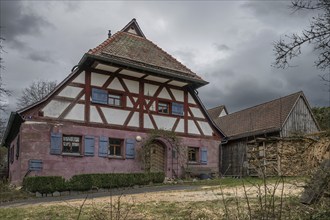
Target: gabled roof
point(263, 118)
point(131, 47)
point(216, 111)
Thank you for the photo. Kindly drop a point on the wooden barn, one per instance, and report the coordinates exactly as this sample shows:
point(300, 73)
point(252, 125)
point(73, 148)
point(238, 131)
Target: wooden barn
point(95, 119)
point(284, 117)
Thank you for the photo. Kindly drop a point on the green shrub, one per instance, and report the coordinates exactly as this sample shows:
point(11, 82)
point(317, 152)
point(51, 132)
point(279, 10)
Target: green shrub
point(84, 182)
point(44, 184)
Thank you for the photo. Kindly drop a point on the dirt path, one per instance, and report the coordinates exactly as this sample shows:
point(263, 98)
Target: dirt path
point(171, 193)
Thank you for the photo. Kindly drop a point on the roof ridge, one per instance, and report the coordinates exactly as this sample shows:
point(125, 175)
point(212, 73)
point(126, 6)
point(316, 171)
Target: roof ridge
point(216, 107)
point(264, 103)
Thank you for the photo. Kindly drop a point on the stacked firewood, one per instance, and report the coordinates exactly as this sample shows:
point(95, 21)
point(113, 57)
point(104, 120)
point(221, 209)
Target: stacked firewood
point(286, 156)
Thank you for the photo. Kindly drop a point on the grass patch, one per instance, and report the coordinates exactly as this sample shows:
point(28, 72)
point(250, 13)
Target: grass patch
point(8, 193)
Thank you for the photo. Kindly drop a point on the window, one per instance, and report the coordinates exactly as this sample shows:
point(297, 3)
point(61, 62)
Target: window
point(177, 108)
point(115, 100)
point(115, 147)
point(71, 144)
point(193, 154)
point(163, 108)
point(103, 97)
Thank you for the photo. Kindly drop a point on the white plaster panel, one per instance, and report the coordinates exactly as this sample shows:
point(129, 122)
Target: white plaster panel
point(134, 122)
point(157, 79)
point(98, 79)
point(70, 92)
point(129, 103)
point(164, 122)
point(106, 67)
point(153, 106)
point(206, 128)
point(190, 99)
point(223, 113)
point(55, 108)
point(150, 89)
point(196, 112)
point(147, 122)
point(132, 73)
point(115, 116)
point(116, 85)
point(133, 86)
point(80, 78)
point(164, 94)
point(177, 83)
point(178, 94)
point(82, 97)
point(77, 113)
point(94, 115)
point(192, 128)
point(180, 127)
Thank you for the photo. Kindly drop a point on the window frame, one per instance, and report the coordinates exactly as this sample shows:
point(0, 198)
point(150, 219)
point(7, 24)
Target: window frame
point(79, 153)
point(168, 107)
point(119, 97)
point(121, 146)
point(197, 152)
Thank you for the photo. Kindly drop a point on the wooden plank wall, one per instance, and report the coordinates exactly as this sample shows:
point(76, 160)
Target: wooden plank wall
point(233, 157)
point(300, 121)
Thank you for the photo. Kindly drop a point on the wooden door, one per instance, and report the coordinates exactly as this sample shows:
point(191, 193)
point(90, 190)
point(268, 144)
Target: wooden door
point(157, 158)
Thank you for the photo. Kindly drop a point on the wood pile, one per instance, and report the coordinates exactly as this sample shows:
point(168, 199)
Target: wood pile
point(286, 156)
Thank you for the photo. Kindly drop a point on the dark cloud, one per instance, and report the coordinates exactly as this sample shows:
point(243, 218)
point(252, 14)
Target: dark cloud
point(44, 56)
point(18, 20)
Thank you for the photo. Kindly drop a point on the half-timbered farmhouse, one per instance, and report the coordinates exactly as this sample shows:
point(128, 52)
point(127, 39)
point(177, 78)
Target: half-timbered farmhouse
point(94, 120)
point(284, 117)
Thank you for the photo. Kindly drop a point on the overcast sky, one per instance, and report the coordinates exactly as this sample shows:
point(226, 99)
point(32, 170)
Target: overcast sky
point(227, 43)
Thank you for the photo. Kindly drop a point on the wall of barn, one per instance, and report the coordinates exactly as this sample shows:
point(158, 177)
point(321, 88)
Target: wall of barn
point(300, 121)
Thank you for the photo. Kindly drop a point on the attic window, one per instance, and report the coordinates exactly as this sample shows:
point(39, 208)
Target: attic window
point(163, 107)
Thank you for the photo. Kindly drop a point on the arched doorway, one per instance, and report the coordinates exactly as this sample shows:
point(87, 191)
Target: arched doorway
point(157, 157)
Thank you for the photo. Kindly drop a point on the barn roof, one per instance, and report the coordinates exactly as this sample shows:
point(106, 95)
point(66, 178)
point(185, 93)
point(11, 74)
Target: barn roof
point(262, 118)
point(130, 46)
point(216, 111)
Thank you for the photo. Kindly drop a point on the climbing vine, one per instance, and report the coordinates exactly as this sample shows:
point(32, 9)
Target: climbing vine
point(178, 151)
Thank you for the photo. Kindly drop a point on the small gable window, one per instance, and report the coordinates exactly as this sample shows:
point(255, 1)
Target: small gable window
point(163, 107)
point(101, 96)
point(115, 100)
point(177, 108)
point(115, 147)
point(71, 144)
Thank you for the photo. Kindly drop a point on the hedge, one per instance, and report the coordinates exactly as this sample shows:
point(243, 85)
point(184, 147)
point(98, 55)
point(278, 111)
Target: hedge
point(44, 184)
point(83, 182)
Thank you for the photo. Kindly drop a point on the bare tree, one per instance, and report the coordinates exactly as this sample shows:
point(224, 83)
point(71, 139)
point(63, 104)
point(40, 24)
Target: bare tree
point(317, 34)
point(35, 92)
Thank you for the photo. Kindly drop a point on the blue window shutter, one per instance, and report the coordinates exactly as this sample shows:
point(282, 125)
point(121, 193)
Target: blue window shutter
point(177, 108)
point(35, 165)
point(89, 146)
point(204, 156)
point(103, 146)
point(130, 148)
point(55, 143)
point(99, 96)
